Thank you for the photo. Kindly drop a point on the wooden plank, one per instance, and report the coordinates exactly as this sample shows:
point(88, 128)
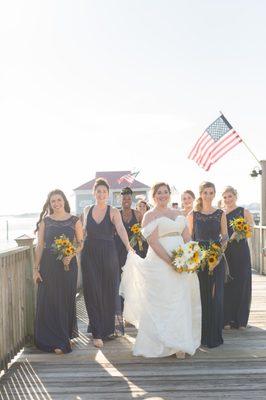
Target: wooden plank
point(236, 370)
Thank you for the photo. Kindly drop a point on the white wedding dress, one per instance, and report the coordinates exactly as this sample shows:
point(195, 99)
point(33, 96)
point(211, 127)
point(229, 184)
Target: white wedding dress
point(164, 305)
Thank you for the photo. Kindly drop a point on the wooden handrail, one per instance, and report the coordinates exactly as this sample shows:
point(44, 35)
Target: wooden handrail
point(17, 302)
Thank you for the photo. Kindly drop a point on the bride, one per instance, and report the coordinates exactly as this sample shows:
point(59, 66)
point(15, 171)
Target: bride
point(164, 305)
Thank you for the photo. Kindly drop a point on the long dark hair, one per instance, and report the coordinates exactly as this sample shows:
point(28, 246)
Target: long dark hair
point(47, 209)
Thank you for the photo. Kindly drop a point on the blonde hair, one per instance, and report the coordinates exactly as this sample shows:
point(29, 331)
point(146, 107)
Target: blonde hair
point(143, 202)
point(198, 202)
point(230, 189)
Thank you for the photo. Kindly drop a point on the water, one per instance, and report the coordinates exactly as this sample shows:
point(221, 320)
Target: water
point(17, 226)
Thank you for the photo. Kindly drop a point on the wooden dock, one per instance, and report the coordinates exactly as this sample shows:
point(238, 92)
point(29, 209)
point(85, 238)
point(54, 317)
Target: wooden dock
point(236, 370)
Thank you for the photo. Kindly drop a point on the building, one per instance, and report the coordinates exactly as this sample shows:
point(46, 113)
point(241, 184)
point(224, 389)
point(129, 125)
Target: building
point(84, 193)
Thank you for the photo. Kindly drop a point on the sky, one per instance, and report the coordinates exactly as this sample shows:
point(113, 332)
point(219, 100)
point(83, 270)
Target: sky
point(99, 85)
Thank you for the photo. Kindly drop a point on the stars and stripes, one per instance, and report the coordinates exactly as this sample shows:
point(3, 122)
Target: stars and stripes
point(128, 177)
point(215, 142)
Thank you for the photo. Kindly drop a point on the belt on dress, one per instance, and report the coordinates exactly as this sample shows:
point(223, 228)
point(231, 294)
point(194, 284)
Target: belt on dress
point(170, 234)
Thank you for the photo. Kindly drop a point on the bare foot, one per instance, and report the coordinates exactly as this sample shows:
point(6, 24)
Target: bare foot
point(227, 327)
point(242, 328)
point(98, 343)
point(58, 351)
point(180, 354)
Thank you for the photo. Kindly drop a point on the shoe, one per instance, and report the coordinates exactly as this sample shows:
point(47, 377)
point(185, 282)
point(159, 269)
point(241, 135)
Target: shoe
point(227, 327)
point(242, 328)
point(98, 343)
point(58, 352)
point(180, 355)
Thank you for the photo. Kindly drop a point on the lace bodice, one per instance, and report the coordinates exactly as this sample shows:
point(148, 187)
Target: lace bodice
point(55, 228)
point(166, 226)
point(207, 227)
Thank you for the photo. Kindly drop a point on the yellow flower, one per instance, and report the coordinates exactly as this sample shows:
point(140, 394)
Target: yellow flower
point(135, 228)
point(215, 246)
point(212, 260)
point(195, 258)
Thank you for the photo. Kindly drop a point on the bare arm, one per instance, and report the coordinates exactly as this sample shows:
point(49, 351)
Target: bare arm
point(38, 253)
point(248, 217)
point(186, 235)
point(186, 232)
point(190, 223)
point(79, 236)
point(224, 232)
point(84, 219)
point(120, 229)
point(138, 216)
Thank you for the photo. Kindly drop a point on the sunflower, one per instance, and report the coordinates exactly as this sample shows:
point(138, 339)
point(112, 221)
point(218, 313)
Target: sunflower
point(216, 246)
point(135, 228)
point(212, 260)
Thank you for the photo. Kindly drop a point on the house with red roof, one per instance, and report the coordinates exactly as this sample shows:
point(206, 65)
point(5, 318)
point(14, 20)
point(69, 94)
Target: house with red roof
point(84, 193)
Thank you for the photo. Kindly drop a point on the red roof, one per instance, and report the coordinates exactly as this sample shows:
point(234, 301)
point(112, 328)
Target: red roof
point(112, 179)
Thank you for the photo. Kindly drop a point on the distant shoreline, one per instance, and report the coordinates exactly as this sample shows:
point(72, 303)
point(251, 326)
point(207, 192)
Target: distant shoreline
point(24, 215)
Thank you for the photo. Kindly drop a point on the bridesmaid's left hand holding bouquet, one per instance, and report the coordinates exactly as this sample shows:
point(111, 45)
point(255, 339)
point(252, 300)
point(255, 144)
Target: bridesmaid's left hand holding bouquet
point(64, 250)
point(241, 228)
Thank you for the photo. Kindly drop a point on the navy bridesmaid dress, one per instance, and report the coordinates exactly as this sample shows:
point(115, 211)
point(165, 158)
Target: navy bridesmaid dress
point(237, 292)
point(207, 228)
point(121, 249)
point(100, 273)
point(56, 321)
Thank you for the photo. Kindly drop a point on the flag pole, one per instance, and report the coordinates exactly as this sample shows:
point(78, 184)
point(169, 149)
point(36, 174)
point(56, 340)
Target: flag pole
point(244, 143)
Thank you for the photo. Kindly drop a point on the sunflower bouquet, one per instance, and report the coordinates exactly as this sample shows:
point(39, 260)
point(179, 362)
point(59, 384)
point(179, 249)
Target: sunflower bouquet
point(242, 230)
point(211, 256)
point(187, 257)
point(63, 247)
point(137, 237)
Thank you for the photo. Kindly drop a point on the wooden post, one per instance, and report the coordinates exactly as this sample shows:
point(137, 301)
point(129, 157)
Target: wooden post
point(25, 240)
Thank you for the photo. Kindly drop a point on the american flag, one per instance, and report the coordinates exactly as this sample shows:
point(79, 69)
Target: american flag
point(215, 142)
point(128, 177)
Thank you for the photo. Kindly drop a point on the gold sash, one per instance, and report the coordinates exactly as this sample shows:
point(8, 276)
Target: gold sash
point(170, 234)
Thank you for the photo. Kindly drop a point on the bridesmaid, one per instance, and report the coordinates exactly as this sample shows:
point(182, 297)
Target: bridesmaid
point(100, 266)
point(187, 199)
point(208, 224)
point(56, 323)
point(129, 218)
point(142, 206)
point(237, 292)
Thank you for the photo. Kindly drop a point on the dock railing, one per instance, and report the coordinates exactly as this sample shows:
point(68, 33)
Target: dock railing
point(17, 302)
point(258, 249)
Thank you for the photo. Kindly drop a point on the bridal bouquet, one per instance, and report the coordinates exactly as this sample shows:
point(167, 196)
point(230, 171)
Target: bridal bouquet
point(211, 256)
point(242, 230)
point(63, 247)
point(137, 237)
point(187, 257)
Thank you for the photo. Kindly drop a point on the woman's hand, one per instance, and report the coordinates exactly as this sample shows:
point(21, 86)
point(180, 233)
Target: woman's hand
point(66, 260)
point(37, 277)
point(130, 250)
point(233, 237)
